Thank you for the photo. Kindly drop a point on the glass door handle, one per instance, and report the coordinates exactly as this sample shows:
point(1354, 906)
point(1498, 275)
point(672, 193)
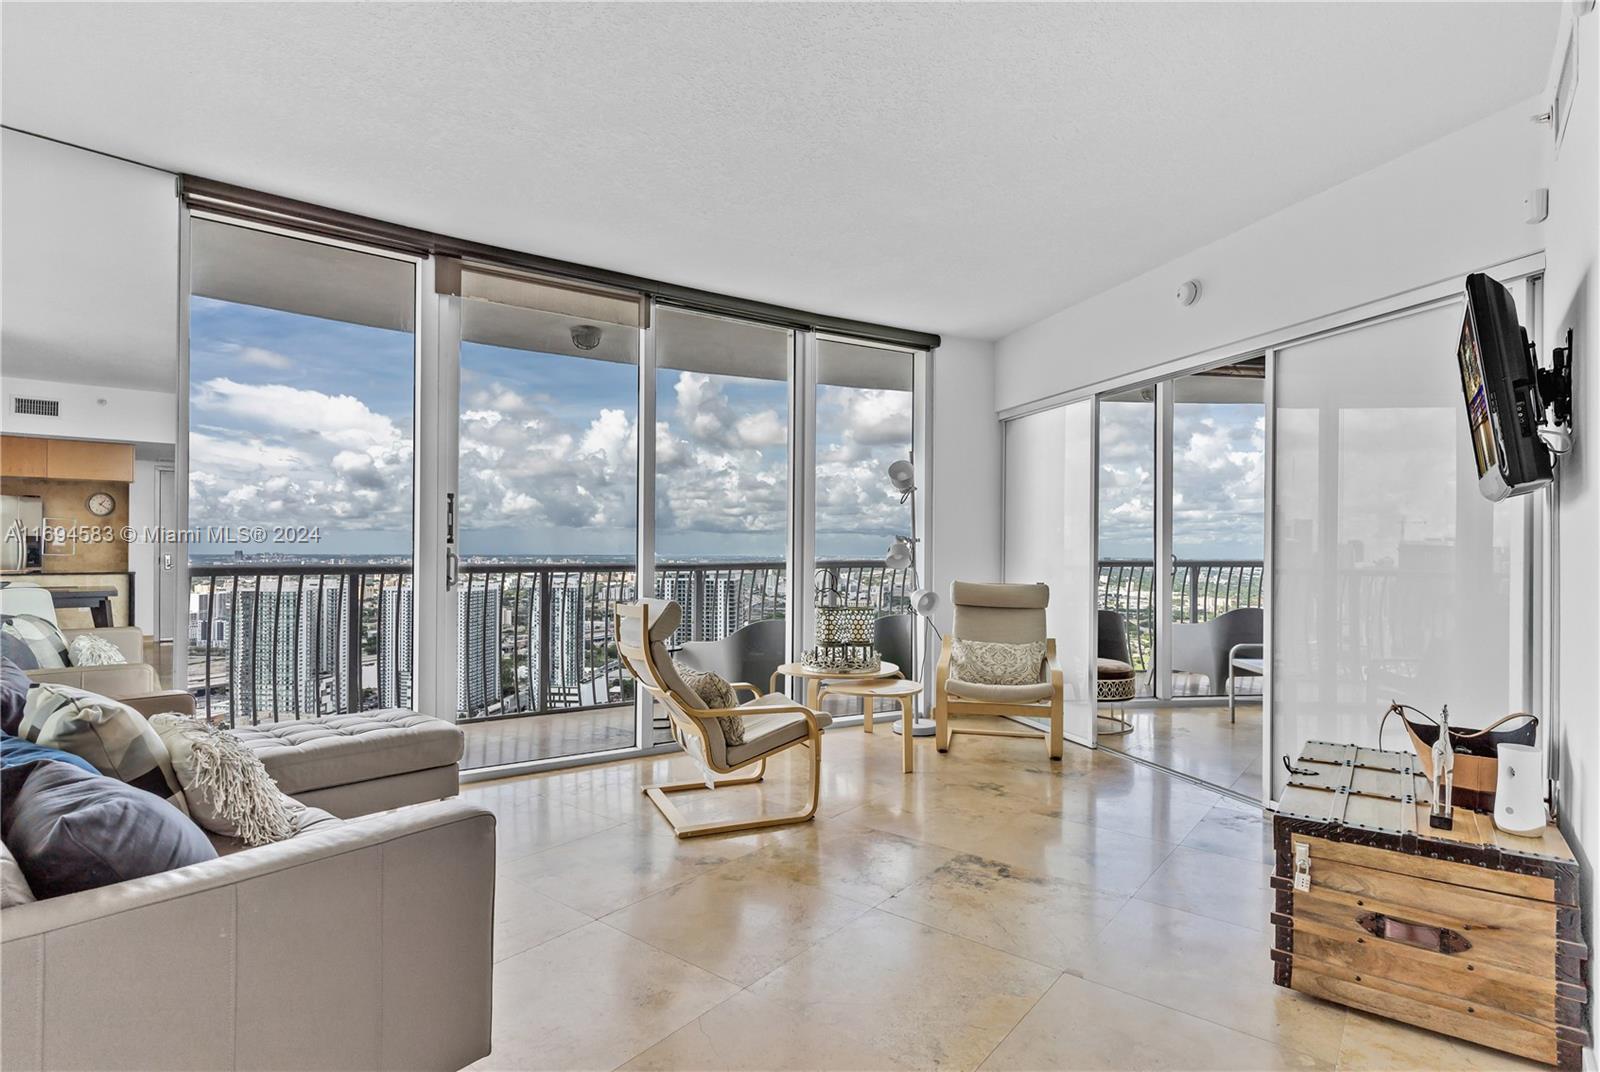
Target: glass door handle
point(452, 568)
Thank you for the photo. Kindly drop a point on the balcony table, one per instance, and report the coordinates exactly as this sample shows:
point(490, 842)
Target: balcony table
point(878, 689)
point(814, 677)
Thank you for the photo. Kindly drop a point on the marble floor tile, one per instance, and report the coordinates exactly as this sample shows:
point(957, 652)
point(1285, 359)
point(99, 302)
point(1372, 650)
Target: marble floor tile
point(895, 986)
point(746, 1032)
point(524, 918)
point(592, 999)
point(1242, 831)
point(1217, 887)
point(601, 873)
point(860, 863)
point(737, 922)
point(1034, 916)
point(1082, 1025)
point(1095, 857)
point(1374, 1044)
point(1212, 970)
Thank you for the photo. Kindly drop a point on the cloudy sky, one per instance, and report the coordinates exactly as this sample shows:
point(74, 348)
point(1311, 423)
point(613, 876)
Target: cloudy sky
point(297, 420)
point(1217, 489)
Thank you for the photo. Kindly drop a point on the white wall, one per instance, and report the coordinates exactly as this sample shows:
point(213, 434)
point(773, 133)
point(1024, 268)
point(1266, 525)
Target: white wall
point(128, 416)
point(1446, 208)
point(1572, 300)
point(965, 452)
point(90, 259)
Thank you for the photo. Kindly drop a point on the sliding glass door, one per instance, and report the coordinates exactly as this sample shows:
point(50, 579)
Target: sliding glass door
point(1050, 539)
point(545, 524)
point(1396, 579)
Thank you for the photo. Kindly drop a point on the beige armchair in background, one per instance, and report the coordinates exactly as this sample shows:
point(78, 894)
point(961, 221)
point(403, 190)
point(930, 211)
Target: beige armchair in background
point(773, 723)
point(1005, 614)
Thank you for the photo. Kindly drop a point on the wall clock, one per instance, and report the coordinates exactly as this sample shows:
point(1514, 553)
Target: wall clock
point(101, 504)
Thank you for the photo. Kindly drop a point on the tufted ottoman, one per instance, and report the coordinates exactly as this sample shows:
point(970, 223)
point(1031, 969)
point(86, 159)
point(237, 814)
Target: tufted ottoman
point(355, 764)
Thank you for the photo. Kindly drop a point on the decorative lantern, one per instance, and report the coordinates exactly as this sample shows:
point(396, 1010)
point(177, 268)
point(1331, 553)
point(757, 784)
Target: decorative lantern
point(844, 633)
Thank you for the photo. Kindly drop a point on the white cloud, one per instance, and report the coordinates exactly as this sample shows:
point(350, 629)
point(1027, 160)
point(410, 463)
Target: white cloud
point(257, 357)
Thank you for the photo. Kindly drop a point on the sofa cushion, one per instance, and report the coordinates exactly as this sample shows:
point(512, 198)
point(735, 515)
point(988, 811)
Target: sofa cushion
point(765, 731)
point(14, 888)
point(32, 642)
point(315, 753)
point(112, 736)
point(72, 831)
point(14, 686)
point(1038, 692)
point(14, 752)
point(1113, 670)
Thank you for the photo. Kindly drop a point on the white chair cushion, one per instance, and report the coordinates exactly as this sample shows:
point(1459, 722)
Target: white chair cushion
point(1039, 692)
point(765, 732)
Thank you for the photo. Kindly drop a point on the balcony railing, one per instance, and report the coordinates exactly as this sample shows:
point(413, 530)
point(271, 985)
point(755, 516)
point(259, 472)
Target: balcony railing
point(1201, 590)
point(290, 641)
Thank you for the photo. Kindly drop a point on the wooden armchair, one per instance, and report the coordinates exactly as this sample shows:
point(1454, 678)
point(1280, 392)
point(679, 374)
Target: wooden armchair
point(773, 722)
point(1008, 614)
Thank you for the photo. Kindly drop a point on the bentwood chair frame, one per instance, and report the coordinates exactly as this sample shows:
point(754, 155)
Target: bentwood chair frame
point(693, 728)
point(1010, 613)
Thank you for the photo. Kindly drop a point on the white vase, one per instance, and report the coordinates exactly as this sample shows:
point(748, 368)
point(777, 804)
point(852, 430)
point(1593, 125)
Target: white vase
point(1519, 790)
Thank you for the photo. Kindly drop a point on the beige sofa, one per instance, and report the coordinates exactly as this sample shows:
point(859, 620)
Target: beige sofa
point(360, 943)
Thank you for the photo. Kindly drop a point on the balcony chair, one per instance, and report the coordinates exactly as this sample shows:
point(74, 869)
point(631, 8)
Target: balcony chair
point(1007, 614)
point(1212, 648)
point(1114, 672)
point(773, 722)
point(750, 653)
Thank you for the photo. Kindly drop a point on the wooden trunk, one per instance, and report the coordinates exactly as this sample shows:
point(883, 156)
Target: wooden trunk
point(1470, 932)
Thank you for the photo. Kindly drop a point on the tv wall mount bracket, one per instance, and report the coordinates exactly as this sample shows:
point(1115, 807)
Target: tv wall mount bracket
point(1554, 388)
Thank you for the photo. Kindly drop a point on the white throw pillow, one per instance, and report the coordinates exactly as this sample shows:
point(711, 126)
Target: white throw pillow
point(984, 662)
point(87, 649)
point(228, 789)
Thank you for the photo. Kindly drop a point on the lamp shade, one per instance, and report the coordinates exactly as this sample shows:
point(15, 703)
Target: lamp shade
point(925, 601)
point(900, 555)
point(902, 476)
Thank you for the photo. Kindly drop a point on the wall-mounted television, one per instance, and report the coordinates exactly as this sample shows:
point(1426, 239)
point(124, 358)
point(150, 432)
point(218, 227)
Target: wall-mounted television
point(1500, 387)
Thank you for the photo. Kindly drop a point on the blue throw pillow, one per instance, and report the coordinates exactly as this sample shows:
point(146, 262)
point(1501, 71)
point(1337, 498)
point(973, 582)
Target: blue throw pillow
point(72, 831)
point(14, 685)
point(14, 752)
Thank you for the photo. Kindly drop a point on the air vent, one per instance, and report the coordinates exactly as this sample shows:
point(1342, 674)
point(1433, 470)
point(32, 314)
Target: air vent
point(36, 407)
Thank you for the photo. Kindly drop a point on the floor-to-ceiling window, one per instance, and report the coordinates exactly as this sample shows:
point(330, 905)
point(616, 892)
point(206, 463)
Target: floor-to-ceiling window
point(722, 487)
point(546, 517)
point(423, 484)
point(300, 431)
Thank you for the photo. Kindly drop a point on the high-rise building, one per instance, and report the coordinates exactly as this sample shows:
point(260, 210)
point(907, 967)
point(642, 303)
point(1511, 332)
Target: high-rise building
point(395, 647)
point(566, 640)
point(285, 652)
point(477, 647)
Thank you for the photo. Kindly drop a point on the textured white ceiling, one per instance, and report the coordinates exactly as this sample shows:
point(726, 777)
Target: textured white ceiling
point(963, 169)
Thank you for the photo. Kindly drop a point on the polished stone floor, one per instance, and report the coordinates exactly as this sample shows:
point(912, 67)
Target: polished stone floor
point(992, 910)
point(1197, 741)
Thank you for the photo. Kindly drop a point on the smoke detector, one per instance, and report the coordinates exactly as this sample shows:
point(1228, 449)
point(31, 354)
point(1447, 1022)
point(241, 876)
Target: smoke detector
point(586, 336)
point(1188, 292)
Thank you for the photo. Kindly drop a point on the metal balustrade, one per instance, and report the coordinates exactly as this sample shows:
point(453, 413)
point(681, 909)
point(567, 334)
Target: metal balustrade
point(1201, 590)
point(271, 641)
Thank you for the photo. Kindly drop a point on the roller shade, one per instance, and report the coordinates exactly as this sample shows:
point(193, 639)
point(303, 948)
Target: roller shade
point(252, 267)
